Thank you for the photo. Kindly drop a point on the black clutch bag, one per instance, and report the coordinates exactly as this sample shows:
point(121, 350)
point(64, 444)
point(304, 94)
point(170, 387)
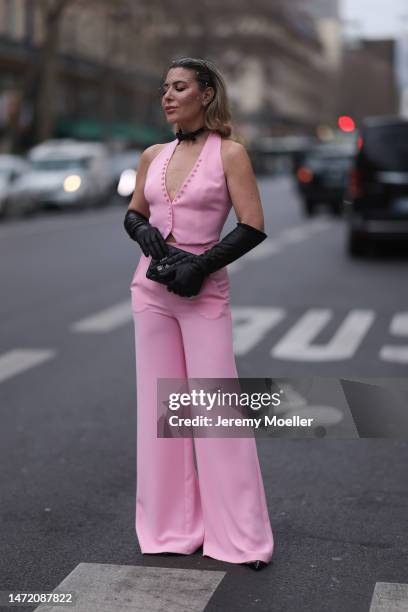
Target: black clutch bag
point(160, 270)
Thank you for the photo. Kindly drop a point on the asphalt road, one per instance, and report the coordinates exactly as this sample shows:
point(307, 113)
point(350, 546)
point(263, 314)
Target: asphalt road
point(301, 308)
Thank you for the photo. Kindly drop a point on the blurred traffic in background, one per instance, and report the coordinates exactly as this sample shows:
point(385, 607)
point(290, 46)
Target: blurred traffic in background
point(319, 98)
point(313, 98)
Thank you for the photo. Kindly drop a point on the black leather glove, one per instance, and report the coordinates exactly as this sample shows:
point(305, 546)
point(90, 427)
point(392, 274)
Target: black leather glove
point(149, 238)
point(191, 274)
point(187, 278)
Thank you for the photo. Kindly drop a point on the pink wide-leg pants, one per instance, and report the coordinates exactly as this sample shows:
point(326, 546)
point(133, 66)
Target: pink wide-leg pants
point(221, 503)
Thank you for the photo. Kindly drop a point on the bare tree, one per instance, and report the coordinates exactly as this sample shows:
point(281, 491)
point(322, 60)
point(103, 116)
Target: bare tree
point(52, 14)
point(149, 35)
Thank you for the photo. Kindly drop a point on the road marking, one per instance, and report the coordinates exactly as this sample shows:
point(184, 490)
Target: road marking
point(389, 597)
point(294, 403)
point(293, 234)
point(106, 588)
point(320, 225)
point(47, 225)
point(398, 327)
point(296, 345)
point(250, 325)
point(106, 320)
point(263, 251)
point(268, 247)
point(18, 360)
point(273, 246)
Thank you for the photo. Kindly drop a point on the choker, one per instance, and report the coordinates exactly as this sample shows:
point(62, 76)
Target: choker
point(189, 135)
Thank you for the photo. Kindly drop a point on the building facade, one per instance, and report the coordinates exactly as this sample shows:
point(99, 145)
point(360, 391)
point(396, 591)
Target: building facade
point(280, 66)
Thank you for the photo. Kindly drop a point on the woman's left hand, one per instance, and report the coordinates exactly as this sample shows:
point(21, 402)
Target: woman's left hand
point(188, 278)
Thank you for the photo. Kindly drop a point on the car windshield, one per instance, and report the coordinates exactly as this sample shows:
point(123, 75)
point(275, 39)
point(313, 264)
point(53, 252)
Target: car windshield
point(7, 167)
point(61, 164)
point(386, 147)
point(125, 160)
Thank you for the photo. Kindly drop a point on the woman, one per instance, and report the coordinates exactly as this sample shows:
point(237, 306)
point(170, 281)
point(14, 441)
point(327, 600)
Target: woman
point(184, 192)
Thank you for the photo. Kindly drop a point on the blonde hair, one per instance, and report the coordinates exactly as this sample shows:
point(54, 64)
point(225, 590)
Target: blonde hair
point(217, 115)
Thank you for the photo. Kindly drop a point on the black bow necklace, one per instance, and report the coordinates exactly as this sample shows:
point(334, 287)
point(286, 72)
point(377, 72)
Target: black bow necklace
point(189, 135)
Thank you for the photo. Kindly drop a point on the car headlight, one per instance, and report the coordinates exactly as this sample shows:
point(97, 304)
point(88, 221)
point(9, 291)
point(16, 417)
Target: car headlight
point(72, 183)
point(127, 183)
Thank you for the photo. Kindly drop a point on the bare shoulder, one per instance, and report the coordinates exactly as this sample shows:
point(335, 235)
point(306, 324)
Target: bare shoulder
point(233, 153)
point(150, 152)
point(231, 148)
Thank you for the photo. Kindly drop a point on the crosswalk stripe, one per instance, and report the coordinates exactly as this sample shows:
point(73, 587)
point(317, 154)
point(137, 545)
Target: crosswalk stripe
point(106, 588)
point(389, 597)
point(18, 360)
point(106, 320)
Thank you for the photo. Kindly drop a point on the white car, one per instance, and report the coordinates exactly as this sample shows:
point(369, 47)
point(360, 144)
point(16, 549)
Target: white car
point(12, 167)
point(64, 174)
point(124, 169)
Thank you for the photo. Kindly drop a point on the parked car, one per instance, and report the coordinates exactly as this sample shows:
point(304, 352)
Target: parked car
point(376, 206)
point(322, 176)
point(11, 168)
point(63, 174)
point(123, 166)
point(273, 155)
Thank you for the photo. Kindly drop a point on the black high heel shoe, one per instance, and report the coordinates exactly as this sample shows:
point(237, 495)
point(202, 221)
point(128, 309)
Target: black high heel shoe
point(256, 565)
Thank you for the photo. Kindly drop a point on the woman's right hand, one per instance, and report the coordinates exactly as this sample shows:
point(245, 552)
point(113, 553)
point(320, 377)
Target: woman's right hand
point(188, 278)
point(148, 237)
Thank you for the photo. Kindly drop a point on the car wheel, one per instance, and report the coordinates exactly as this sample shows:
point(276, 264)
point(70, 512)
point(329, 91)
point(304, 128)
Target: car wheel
point(29, 211)
point(355, 247)
point(309, 207)
point(3, 210)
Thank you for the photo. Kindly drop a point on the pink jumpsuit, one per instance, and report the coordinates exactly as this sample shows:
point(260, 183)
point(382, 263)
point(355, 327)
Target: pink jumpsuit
point(221, 505)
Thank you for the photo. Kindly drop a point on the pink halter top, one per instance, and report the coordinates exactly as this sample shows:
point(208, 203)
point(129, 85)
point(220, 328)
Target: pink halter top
point(201, 206)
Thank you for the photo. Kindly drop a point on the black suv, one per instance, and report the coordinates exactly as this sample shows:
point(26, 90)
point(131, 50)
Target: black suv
point(376, 205)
